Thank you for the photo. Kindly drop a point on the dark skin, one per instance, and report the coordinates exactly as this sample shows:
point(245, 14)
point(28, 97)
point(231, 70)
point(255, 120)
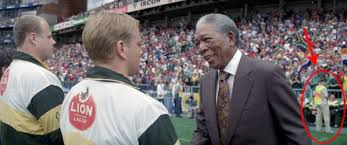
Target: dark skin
point(217, 48)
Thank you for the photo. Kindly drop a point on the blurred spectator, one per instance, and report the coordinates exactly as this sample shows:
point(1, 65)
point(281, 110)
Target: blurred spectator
point(5, 60)
point(177, 99)
point(344, 81)
point(160, 91)
point(70, 63)
point(334, 110)
point(192, 103)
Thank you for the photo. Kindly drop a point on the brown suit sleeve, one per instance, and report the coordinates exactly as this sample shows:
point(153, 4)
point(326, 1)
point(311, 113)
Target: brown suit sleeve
point(285, 108)
point(200, 135)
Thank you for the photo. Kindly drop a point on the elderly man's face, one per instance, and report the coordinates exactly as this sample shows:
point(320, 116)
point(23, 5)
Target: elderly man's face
point(217, 48)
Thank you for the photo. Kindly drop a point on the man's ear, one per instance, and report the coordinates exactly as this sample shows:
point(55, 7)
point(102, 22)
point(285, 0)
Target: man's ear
point(231, 38)
point(121, 49)
point(32, 37)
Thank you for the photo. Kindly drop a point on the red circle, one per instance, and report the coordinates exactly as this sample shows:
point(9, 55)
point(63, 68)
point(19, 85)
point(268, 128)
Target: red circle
point(82, 113)
point(302, 113)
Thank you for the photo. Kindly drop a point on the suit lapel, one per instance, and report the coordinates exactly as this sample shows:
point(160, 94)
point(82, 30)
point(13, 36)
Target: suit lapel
point(210, 110)
point(242, 86)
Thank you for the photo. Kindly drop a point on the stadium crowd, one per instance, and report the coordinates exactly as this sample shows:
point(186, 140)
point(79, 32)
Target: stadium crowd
point(169, 54)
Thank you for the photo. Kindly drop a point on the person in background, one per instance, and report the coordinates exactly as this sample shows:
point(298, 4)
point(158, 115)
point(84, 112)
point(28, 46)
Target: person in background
point(344, 82)
point(334, 106)
point(5, 60)
point(192, 105)
point(296, 84)
point(107, 108)
point(160, 91)
point(333, 85)
point(31, 100)
point(321, 104)
point(177, 99)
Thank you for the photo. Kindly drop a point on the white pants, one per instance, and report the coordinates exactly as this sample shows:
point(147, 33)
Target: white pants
point(323, 109)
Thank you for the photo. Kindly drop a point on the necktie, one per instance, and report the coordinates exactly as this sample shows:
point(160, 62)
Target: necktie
point(223, 105)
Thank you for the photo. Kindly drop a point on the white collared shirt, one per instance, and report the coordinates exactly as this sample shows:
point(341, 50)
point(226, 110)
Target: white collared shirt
point(231, 68)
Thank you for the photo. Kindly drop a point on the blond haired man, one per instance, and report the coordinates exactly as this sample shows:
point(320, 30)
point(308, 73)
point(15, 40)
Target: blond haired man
point(31, 95)
point(106, 108)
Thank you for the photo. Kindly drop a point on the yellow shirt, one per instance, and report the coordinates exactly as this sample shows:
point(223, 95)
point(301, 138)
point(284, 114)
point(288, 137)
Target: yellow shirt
point(345, 83)
point(195, 78)
point(317, 96)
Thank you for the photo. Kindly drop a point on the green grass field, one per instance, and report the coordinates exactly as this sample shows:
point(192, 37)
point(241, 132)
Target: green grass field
point(184, 128)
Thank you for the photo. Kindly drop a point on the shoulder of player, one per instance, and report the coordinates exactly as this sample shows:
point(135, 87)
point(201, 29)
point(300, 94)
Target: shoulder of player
point(28, 72)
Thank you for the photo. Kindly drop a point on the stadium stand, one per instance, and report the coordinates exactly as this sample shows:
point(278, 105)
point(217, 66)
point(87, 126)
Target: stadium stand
point(270, 31)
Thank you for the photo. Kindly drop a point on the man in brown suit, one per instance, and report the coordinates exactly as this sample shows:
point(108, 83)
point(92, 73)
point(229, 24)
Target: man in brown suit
point(243, 101)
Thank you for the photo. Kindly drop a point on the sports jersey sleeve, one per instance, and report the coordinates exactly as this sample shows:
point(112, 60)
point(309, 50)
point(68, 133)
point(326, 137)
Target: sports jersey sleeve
point(44, 103)
point(155, 126)
point(45, 106)
point(160, 132)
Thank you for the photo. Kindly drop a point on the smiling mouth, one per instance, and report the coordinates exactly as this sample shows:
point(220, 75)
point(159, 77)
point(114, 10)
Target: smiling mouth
point(208, 57)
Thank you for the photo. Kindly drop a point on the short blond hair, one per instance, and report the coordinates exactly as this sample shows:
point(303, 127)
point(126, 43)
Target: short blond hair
point(103, 30)
point(25, 25)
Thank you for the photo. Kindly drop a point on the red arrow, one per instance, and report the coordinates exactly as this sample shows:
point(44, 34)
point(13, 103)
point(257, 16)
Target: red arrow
point(313, 56)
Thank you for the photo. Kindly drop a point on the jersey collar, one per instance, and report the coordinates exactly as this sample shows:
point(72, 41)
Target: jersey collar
point(27, 57)
point(105, 74)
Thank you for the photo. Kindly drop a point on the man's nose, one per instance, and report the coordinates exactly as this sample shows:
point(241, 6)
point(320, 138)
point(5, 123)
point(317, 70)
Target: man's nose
point(202, 47)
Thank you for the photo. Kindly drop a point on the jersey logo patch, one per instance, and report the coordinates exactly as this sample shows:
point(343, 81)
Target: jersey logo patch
point(82, 110)
point(3, 82)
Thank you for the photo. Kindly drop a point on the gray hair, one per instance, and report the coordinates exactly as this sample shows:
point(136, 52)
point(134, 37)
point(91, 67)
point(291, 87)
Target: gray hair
point(25, 25)
point(223, 24)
